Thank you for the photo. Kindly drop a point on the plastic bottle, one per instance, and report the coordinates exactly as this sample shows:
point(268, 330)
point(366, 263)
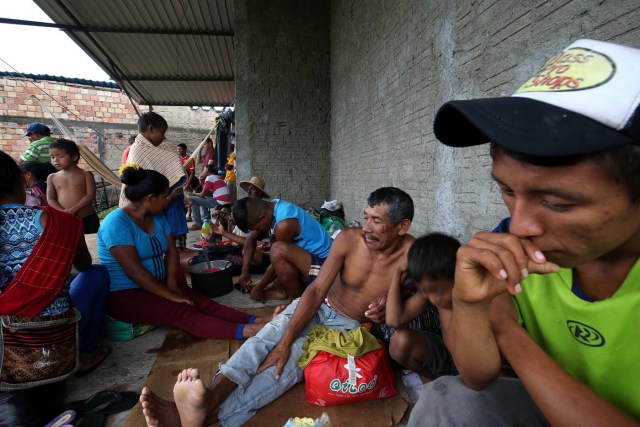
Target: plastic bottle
point(205, 231)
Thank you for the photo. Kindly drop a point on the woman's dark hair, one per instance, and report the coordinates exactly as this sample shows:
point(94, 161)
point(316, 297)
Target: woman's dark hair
point(619, 164)
point(151, 119)
point(433, 256)
point(400, 203)
point(67, 146)
point(143, 182)
point(11, 178)
point(39, 170)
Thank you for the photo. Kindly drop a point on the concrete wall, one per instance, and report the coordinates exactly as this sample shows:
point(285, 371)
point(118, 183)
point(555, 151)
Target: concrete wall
point(394, 63)
point(282, 91)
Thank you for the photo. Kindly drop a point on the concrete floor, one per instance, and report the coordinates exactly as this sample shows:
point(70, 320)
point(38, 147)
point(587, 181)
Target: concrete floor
point(128, 365)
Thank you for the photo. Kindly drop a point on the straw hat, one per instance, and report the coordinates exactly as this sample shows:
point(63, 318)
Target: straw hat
point(256, 181)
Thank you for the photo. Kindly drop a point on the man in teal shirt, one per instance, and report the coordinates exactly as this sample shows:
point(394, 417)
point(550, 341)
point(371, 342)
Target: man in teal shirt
point(301, 245)
point(40, 136)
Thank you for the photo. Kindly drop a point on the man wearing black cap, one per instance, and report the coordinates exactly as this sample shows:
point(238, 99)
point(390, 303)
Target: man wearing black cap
point(555, 289)
point(40, 136)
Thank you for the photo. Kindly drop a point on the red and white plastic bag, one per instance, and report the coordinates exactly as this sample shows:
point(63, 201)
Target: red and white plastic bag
point(333, 380)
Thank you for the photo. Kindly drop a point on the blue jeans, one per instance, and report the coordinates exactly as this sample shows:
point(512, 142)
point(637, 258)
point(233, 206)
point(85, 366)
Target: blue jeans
point(255, 391)
point(201, 208)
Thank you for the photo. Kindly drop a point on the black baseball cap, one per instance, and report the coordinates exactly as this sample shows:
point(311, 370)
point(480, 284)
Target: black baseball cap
point(585, 99)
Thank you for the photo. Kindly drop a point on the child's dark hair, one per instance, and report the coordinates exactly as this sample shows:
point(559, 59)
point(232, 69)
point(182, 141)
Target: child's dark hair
point(151, 119)
point(67, 146)
point(39, 170)
point(433, 256)
point(143, 182)
point(11, 178)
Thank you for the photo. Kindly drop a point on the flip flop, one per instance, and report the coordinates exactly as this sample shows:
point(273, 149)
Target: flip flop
point(128, 400)
point(102, 352)
point(96, 419)
point(95, 403)
point(65, 418)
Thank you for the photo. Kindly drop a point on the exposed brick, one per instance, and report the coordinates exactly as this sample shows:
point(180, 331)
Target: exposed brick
point(83, 115)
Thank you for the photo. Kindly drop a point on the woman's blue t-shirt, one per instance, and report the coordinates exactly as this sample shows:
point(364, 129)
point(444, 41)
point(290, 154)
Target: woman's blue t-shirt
point(118, 229)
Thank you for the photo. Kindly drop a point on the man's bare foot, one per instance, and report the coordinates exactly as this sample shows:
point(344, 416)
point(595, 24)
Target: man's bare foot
point(158, 412)
point(191, 398)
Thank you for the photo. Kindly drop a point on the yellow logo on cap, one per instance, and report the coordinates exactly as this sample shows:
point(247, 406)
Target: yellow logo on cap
point(573, 69)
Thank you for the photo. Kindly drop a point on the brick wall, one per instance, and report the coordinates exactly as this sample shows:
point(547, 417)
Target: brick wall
point(101, 118)
point(394, 63)
point(282, 86)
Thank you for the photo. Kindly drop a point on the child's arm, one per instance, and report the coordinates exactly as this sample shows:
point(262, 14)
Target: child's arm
point(445, 323)
point(52, 195)
point(399, 311)
point(90, 194)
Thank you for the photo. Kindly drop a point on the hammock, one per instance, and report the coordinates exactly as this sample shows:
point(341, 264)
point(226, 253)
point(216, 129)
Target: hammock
point(94, 161)
point(193, 156)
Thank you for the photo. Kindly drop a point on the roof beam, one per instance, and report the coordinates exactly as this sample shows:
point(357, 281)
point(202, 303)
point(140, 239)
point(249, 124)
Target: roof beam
point(177, 79)
point(88, 29)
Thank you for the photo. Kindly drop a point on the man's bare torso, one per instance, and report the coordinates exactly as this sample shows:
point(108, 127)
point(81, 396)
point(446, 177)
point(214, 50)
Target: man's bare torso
point(366, 274)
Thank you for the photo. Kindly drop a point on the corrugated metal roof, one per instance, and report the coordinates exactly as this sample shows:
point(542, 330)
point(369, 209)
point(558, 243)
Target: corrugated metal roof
point(162, 52)
point(61, 79)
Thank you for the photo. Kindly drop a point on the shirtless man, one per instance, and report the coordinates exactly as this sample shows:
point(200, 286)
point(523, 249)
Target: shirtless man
point(350, 289)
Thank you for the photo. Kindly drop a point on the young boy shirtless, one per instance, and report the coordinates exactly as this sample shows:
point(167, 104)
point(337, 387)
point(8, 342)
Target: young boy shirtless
point(72, 189)
point(431, 264)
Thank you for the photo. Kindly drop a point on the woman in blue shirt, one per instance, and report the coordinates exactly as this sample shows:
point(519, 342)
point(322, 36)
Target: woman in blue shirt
point(147, 285)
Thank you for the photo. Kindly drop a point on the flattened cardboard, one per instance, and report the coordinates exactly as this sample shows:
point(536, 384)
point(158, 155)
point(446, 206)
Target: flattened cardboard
point(181, 350)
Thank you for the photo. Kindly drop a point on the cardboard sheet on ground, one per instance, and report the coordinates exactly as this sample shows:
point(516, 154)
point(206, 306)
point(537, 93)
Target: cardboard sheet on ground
point(181, 350)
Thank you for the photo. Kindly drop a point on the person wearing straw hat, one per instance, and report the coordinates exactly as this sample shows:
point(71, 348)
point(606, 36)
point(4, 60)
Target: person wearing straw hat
point(555, 289)
point(255, 187)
